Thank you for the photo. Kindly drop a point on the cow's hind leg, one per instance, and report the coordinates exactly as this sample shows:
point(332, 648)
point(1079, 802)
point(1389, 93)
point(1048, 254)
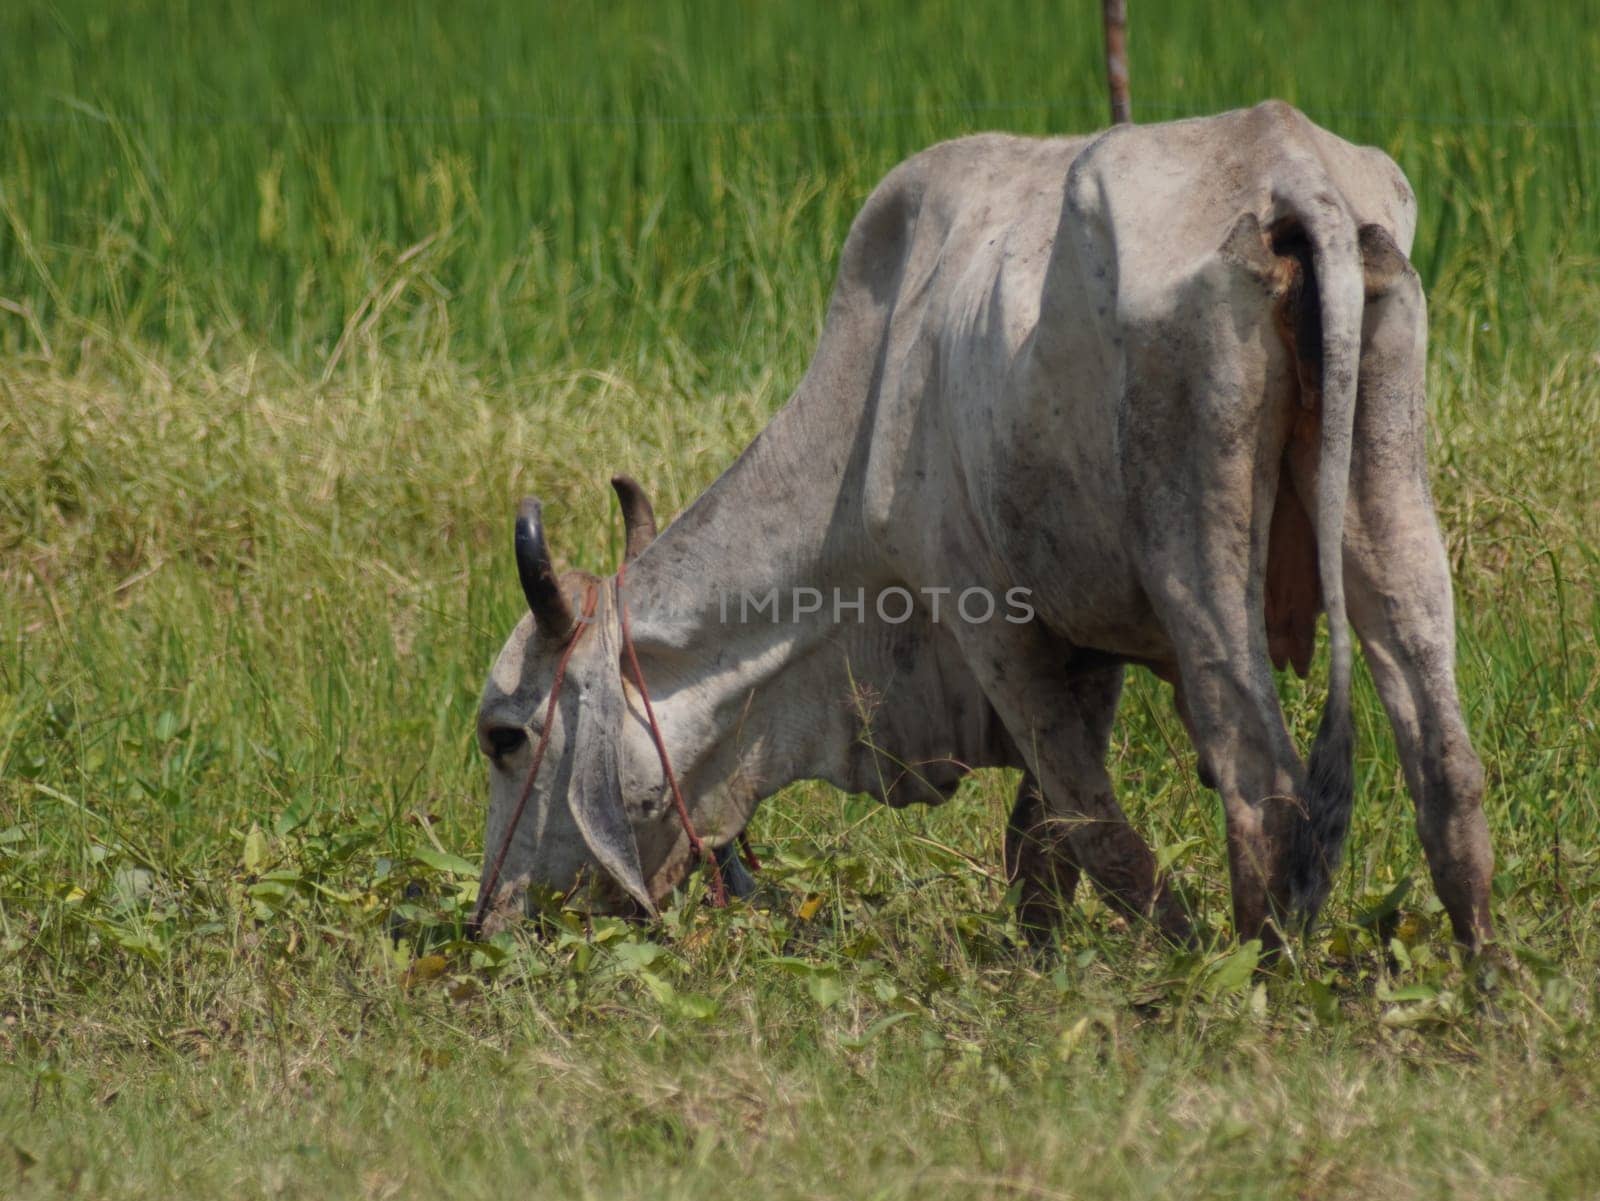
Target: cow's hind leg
point(1402, 612)
point(1400, 605)
point(1205, 442)
point(1398, 580)
point(1209, 601)
point(1244, 749)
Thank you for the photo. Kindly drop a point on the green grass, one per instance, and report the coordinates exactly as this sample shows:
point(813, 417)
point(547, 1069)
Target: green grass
point(294, 306)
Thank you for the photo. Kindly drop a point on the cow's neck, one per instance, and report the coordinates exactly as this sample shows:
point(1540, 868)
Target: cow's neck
point(748, 705)
point(745, 701)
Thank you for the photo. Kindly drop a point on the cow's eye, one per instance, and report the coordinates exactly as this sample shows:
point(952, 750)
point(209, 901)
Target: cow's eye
point(501, 741)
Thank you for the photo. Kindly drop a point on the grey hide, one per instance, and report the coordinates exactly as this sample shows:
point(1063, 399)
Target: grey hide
point(1169, 382)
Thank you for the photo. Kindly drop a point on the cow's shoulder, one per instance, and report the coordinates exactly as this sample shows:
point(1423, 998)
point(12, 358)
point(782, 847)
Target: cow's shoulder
point(948, 192)
point(982, 162)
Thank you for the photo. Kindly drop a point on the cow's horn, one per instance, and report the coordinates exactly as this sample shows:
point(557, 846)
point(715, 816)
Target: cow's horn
point(551, 611)
point(638, 518)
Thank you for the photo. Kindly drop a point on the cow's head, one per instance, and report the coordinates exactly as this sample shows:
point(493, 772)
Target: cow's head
point(594, 819)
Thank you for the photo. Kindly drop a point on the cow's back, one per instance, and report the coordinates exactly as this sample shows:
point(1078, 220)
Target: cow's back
point(1005, 274)
point(943, 272)
point(956, 424)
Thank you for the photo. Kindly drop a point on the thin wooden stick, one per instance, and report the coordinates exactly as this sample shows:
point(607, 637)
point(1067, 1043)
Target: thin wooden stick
point(1116, 14)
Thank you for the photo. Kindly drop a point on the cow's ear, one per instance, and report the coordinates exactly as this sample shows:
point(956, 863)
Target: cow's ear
point(597, 809)
point(1383, 264)
point(596, 794)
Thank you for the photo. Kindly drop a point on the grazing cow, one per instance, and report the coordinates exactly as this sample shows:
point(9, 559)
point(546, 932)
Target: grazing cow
point(1162, 389)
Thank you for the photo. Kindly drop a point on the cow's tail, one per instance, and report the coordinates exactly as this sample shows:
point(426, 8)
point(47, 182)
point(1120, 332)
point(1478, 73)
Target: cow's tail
point(1319, 839)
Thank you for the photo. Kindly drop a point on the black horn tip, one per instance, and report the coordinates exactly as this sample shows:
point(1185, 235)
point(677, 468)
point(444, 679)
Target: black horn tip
point(638, 516)
point(550, 608)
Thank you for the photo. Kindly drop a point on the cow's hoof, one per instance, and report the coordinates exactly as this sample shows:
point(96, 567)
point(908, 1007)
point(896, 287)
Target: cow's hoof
point(735, 876)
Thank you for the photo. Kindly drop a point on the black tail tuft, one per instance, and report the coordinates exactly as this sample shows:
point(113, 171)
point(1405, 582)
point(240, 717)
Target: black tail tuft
point(1330, 792)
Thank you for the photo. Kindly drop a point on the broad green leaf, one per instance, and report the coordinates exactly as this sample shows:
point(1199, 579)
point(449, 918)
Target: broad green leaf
point(795, 966)
point(1234, 971)
point(695, 1007)
point(658, 988)
point(825, 987)
point(270, 891)
point(856, 1042)
point(636, 956)
point(1388, 906)
point(424, 969)
point(1168, 855)
point(443, 861)
point(1324, 1001)
point(1408, 992)
point(255, 849)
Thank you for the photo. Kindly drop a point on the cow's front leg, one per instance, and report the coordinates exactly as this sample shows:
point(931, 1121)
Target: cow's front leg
point(1039, 863)
point(1062, 724)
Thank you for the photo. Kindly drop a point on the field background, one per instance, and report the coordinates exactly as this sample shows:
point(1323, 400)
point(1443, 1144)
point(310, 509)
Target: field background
point(295, 303)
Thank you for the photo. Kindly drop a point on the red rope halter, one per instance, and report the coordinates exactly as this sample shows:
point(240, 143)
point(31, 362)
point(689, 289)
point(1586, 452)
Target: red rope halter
point(718, 891)
point(486, 895)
